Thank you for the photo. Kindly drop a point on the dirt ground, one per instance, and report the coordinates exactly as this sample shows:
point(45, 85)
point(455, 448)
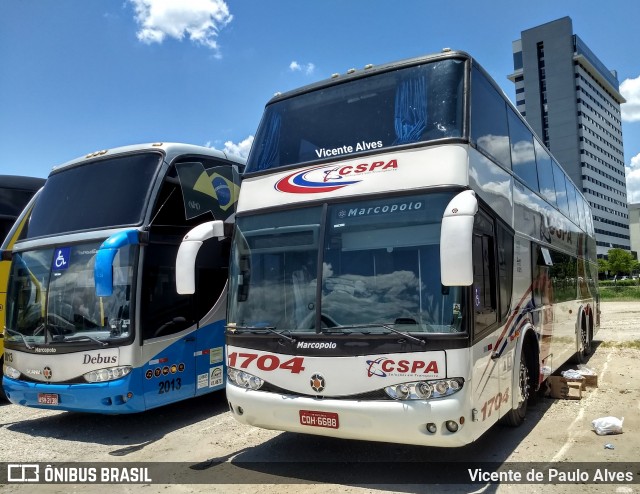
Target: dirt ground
point(195, 436)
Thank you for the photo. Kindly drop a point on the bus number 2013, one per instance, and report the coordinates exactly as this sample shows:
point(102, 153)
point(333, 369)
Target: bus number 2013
point(265, 362)
point(494, 403)
point(169, 385)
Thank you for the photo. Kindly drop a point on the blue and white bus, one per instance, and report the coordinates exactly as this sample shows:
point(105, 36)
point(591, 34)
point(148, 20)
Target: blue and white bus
point(93, 319)
point(409, 261)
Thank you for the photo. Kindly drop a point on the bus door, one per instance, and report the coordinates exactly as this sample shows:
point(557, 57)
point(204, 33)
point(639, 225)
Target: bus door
point(489, 371)
point(168, 325)
point(543, 302)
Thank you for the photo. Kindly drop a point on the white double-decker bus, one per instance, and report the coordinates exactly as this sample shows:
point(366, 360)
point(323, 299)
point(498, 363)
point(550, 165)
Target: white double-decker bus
point(409, 262)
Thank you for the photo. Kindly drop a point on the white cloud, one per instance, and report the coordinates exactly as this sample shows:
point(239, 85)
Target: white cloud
point(633, 180)
point(522, 152)
point(630, 89)
point(306, 68)
point(199, 20)
point(241, 149)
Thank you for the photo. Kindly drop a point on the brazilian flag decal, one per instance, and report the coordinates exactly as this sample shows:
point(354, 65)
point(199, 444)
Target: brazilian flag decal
point(205, 190)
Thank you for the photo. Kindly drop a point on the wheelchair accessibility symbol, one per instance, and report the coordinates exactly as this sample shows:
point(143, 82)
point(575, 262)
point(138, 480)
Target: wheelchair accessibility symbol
point(61, 258)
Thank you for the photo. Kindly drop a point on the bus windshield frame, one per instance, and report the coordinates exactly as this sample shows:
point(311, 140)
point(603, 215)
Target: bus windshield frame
point(405, 106)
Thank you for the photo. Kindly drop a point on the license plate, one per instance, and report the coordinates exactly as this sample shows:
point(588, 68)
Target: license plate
point(47, 399)
point(319, 419)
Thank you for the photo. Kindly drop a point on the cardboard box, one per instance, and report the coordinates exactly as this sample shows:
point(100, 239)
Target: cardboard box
point(579, 381)
point(575, 390)
point(565, 389)
point(591, 381)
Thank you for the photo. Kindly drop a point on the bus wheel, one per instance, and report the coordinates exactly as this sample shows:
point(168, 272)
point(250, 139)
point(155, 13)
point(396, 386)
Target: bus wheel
point(585, 346)
point(515, 416)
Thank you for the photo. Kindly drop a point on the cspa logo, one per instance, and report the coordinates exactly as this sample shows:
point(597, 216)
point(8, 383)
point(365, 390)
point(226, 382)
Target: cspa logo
point(385, 367)
point(329, 178)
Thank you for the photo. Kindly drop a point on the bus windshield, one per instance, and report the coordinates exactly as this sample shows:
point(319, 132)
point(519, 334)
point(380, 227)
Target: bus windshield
point(118, 186)
point(403, 106)
point(52, 298)
point(380, 266)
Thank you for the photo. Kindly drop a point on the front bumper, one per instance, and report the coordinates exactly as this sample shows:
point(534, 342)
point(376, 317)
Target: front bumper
point(108, 397)
point(403, 422)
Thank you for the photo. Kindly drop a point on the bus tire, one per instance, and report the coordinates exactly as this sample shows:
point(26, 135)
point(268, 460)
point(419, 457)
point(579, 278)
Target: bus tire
point(584, 351)
point(516, 416)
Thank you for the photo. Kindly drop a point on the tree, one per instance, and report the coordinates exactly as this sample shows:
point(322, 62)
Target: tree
point(620, 261)
point(603, 266)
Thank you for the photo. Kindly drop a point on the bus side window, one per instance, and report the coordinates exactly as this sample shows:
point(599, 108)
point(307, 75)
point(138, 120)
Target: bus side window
point(212, 270)
point(489, 128)
point(163, 311)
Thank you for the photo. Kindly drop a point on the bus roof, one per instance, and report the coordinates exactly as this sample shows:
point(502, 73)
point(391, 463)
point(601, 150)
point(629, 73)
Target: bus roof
point(368, 70)
point(169, 149)
point(21, 182)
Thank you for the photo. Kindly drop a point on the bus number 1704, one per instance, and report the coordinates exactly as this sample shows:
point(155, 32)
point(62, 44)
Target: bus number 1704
point(494, 403)
point(265, 362)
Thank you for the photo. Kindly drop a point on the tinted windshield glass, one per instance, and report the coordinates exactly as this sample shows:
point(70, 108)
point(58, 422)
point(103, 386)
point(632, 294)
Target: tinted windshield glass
point(13, 200)
point(51, 296)
point(110, 192)
point(380, 264)
point(275, 268)
point(404, 106)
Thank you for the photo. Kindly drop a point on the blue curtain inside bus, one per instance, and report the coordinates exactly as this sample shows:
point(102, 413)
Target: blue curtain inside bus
point(270, 146)
point(411, 110)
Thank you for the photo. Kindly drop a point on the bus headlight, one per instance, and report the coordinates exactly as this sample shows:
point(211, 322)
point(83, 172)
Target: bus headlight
point(425, 390)
point(109, 374)
point(11, 372)
point(244, 379)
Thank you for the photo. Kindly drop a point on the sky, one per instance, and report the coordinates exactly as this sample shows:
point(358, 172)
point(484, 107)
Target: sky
point(77, 76)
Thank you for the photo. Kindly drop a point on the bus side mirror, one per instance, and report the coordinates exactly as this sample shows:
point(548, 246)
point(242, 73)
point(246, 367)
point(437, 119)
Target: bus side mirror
point(456, 240)
point(103, 268)
point(188, 251)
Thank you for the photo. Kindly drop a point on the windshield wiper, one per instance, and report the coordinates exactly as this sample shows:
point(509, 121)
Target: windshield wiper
point(60, 337)
point(403, 333)
point(24, 340)
point(388, 326)
point(270, 329)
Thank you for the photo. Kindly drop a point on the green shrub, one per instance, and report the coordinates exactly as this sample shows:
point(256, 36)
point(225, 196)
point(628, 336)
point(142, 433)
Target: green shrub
point(619, 292)
point(605, 283)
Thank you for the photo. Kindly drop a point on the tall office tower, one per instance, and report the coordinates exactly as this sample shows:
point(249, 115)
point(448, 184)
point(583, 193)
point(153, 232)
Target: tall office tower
point(572, 101)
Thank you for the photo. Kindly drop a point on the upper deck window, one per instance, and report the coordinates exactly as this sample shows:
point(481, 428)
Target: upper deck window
point(489, 128)
point(403, 106)
point(108, 193)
